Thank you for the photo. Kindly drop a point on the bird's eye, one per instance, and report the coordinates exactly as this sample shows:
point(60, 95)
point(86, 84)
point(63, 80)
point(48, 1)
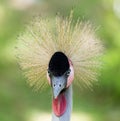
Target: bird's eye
point(49, 72)
point(68, 72)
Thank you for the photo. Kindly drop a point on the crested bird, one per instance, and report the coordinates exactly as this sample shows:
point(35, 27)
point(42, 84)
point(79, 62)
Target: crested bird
point(55, 52)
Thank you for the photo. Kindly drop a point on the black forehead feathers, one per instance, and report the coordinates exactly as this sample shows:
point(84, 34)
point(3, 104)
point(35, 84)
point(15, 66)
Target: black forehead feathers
point(58, 64)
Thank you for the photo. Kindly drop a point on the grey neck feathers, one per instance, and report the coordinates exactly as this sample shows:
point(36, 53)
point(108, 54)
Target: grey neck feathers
point(67, 115)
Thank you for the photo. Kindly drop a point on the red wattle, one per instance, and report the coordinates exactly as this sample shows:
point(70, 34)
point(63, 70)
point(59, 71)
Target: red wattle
point(59, 105)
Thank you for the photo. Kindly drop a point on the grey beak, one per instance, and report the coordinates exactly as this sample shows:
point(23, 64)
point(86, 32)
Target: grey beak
point(58, 84)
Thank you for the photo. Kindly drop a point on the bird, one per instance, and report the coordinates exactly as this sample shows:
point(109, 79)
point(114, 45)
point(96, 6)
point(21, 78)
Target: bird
point(59, 52)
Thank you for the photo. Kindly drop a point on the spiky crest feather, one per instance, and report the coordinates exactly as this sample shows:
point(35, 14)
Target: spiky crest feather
point(42, 38)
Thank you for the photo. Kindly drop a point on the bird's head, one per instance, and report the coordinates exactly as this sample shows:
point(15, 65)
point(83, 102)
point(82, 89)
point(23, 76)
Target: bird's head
point(60, 73)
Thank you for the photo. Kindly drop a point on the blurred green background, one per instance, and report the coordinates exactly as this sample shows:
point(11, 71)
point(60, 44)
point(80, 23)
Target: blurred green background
point(18, 102)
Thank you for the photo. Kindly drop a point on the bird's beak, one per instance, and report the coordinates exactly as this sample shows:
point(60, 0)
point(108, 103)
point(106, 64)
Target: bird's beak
point(58, 84)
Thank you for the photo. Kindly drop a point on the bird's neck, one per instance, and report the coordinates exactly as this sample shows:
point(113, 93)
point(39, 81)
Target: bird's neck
point(67, 114)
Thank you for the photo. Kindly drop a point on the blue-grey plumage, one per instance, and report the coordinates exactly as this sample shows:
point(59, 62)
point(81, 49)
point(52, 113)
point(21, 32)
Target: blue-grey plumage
point(67, 115)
